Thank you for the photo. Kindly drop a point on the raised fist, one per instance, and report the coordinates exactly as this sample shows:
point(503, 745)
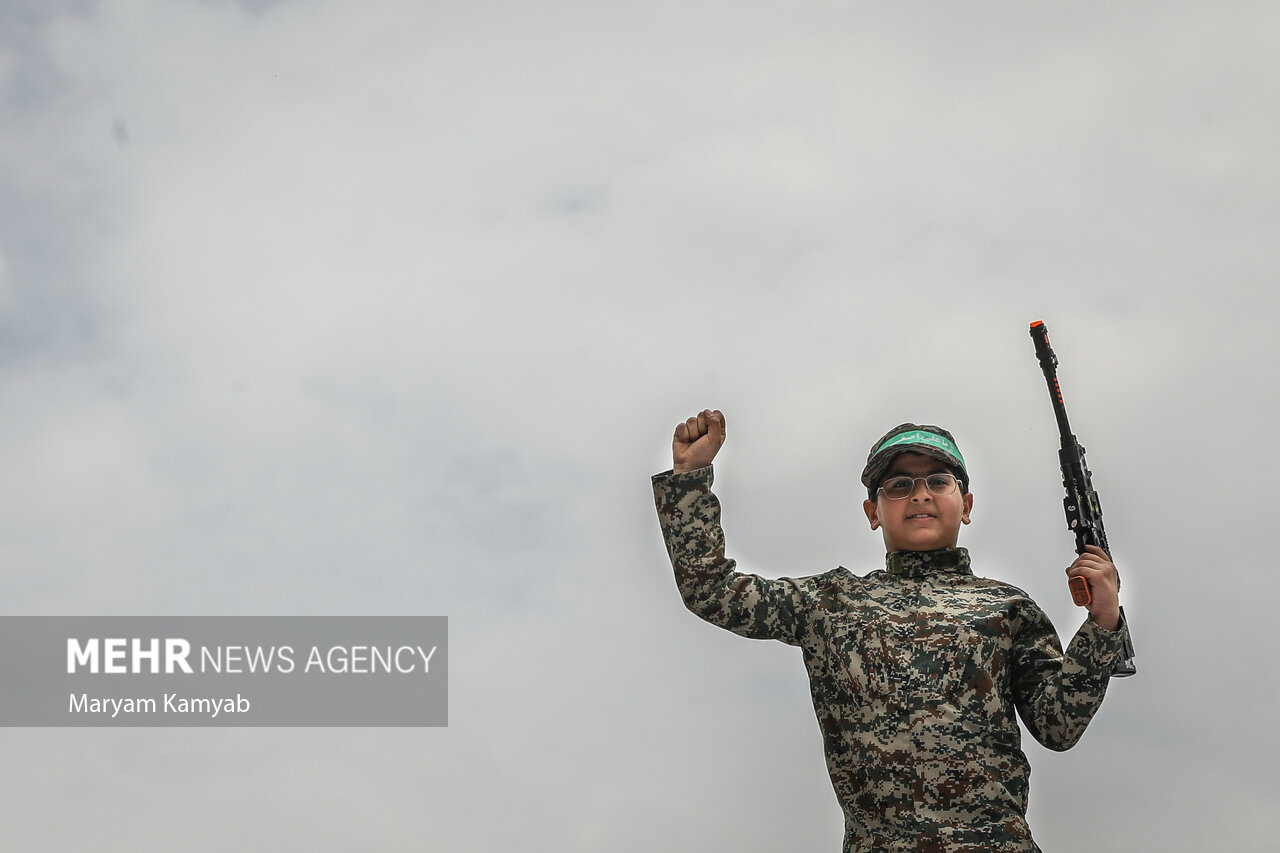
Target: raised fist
point(697, 441)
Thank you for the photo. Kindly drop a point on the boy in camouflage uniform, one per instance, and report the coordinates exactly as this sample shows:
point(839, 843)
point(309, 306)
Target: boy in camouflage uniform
point(915, 670)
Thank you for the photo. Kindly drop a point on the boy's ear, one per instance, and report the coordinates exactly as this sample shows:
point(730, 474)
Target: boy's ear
point(869, 507)
point(967, 507)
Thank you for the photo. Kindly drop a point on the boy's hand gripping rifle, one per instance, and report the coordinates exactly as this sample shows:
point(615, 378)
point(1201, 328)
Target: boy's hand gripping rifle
point(1084, 512)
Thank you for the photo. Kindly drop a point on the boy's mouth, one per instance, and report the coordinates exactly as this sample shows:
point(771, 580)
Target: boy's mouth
point(922, 515)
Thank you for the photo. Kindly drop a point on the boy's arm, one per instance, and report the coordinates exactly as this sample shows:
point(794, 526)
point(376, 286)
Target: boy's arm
point(746, 604)
point(690, 516)
point(1058, 693)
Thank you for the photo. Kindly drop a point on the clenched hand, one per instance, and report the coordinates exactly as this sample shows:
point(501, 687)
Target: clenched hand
point(1095, 566)
point(697, 441)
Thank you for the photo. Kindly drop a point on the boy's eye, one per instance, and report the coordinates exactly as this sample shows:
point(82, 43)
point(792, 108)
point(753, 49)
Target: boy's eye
point(898, 486)
point(938, 483)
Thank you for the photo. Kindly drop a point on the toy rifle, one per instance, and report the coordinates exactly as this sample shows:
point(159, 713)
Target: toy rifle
point(1084, 512)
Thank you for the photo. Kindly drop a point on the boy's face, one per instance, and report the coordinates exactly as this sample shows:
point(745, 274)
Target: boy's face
point(922, 521)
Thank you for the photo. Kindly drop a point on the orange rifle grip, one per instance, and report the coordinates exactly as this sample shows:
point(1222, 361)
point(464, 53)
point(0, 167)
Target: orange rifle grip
point(1080, 592)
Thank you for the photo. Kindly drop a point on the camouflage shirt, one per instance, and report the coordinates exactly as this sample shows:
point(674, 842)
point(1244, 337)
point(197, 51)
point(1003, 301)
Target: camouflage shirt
point(915, 672)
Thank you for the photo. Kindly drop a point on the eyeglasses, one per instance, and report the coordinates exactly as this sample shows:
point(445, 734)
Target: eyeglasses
point(897, 488)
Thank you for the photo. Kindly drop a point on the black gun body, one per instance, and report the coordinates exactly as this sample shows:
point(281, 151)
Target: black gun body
point(1083, 510)
point(1081, 505)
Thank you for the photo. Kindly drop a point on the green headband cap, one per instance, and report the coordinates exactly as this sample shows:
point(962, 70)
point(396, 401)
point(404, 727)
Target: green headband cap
point(926, 439)
point(929, 439)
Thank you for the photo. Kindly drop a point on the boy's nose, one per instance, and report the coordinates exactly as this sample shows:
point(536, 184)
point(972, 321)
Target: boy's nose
point(919, 491)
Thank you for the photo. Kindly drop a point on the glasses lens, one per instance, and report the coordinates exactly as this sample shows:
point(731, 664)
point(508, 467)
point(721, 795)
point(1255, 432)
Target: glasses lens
point(897, 488)
point(940, 484)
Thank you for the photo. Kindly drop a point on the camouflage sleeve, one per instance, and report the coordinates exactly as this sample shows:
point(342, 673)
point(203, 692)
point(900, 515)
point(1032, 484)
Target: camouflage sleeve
point(746, 604)
point(1057, 694)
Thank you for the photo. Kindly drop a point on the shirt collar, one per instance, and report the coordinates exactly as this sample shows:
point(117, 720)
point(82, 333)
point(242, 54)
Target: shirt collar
point(918, 564)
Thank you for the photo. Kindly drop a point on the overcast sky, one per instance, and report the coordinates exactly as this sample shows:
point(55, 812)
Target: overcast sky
point(391, 308)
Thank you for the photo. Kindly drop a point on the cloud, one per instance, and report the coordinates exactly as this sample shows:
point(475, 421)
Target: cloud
point(393, 308)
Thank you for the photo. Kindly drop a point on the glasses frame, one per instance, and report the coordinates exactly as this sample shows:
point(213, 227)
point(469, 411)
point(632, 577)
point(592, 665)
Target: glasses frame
point(956, 483)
